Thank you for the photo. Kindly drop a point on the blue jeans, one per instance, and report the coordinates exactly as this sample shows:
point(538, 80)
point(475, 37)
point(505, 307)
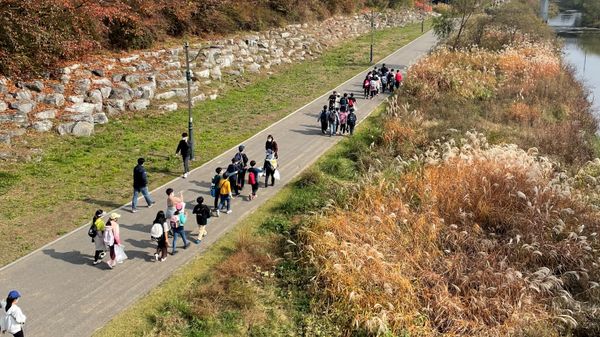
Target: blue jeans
point(225, 199)
point(332, 128)
point(179, 231)
point(144, 191)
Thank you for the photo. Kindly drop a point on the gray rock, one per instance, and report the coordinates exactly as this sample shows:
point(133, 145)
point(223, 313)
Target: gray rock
point(76, 99)
point(213, 97)
point(180, 92)
point(215, 73)
point(100, 118)
point(205, 73)
point(102, 82)
point(199, 98)
point(65, 128)
point(121, 93)
point(168, 107)
point(82, 108)
point(58, 88)
point(129, 59)
point(173, 65)
point(3, 88)
point(36, 86)
point(165, 95)
point(118, 77)
point(4, 138)
point(114, 106)
point(23, 94)
point(23, 106)
point(3, 106)
point(105, 92)
point(42, 126)
point(20, 118)
point(132, 78)
point(285, 35)
point(64, 79)
point(254, 68)
point(94, 96)
point(139, 105)
point(47, 114)
point(98, 72)
point(81, 118)
point(82, 86)
point(143, 66)
point(83, 129)
point(146, 91)
point(56, 100)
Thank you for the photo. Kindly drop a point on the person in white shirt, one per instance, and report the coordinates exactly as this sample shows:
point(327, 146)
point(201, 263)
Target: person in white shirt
point(13, 318)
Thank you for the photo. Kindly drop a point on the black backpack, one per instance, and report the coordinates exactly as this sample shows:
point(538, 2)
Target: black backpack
point(352, 118)
point(331, 117)
point(206, 212)
point(93, 231)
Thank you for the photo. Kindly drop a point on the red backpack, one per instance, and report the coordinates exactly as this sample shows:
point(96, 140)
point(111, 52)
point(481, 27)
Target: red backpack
point(251, 178)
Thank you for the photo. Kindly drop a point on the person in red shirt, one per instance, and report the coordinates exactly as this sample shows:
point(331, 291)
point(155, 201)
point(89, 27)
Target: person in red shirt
point(398, 79)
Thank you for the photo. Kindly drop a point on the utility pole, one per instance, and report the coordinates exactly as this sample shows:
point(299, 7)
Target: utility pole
point(372, 34)
point(188, 76)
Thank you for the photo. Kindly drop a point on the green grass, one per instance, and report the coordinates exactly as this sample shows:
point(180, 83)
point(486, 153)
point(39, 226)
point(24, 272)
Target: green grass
point(166, 311)
point(75, 176)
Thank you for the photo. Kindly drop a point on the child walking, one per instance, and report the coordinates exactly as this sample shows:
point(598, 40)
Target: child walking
point(202, 215)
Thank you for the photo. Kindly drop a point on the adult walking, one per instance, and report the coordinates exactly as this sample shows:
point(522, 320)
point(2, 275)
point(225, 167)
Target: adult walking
point(232, 171)
point(140, 185)
point(241, 161)
point(13, 318)
point(398, 79)
point(333, 119)
point(214, 188)
point(112, 238)
point(172, 202)
point(269, 167)
point(163, 238)
point(271, 144)
point(184, 148)
point(323, 119)
point(351, 121)
point(97, 229)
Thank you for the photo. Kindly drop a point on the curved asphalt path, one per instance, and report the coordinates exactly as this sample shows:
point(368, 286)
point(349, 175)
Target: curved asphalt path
point(65, 295)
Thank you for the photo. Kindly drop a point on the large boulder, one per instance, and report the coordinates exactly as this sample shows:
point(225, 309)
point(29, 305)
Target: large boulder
point(82, 108)
point(100, 118)
point(3, 106)
point(139, 105)
point(165, 95)
point(83, 129)
point(114, 106)
point(254, 68)
point(65, 128)
point(42, 126)
point(36, 86)
point(47, 114)
point(80, 87)
point(121, 93)
point(168, 107)
point(23, 106)
point(56, 100)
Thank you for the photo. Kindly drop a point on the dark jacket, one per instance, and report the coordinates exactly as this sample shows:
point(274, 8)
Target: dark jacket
point(140, 178)
point(271, 146)
point(184, 148)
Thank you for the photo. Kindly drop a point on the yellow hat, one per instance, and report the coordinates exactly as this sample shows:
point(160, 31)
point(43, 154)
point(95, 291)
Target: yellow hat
point(114, 216)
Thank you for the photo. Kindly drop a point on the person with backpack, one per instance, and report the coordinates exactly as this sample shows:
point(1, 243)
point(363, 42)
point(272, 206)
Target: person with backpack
point(398, 79)
point(13, 318)
point(373, 86)
point(253, 174)
point(202, 215)
point(96, 232)
point(333, 100)
point(344, 103)
point(241, 161)
point(343, 122)
point(351, 102)
point(351, 121)
point(177, 221)
point(225, 192)
point(172, 202)
point(140, 185)
point(367, 87)
point(112, 238)
point(184, 148)
point(269, 167)
point(271, 144)
point(390, 80)
point(214, 187)
point(160, 233)
point(333, 119)
point(323, 119)
point(232, 171)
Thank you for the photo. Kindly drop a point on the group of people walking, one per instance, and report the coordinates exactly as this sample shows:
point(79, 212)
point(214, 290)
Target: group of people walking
point(168, 225)
point(338, 114)
point(381, 79)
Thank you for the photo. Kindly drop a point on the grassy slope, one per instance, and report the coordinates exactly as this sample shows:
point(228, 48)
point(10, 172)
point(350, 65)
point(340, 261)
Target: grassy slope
point(76, 176)
point(280, 303)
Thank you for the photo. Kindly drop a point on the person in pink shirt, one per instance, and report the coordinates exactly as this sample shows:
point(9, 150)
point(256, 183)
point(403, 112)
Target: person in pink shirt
point(343, 121)
point(112, 237)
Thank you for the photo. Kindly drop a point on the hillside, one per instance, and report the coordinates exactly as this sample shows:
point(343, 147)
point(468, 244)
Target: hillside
point(38, 35)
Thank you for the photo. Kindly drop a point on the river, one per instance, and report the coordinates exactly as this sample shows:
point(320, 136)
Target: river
point(582, 51)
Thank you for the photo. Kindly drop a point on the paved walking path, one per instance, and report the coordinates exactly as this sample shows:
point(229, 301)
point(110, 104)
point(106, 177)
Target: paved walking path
point(65, 295)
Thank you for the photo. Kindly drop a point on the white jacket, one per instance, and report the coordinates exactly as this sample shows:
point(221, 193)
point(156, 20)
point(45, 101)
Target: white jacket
point(12, 320)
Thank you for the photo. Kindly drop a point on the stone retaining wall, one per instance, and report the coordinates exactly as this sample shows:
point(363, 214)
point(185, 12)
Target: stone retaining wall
point(90, 93)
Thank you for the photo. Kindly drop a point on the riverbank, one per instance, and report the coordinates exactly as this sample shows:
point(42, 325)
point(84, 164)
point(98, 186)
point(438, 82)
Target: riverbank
point(468, 208)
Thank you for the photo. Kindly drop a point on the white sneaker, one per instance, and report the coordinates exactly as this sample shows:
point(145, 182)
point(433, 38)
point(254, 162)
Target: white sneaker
point(218, 213)
point(109, 265)
point(155, 256)
point(185, 175)
point(102, 255)
point(229, 211)
point(96, 262)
